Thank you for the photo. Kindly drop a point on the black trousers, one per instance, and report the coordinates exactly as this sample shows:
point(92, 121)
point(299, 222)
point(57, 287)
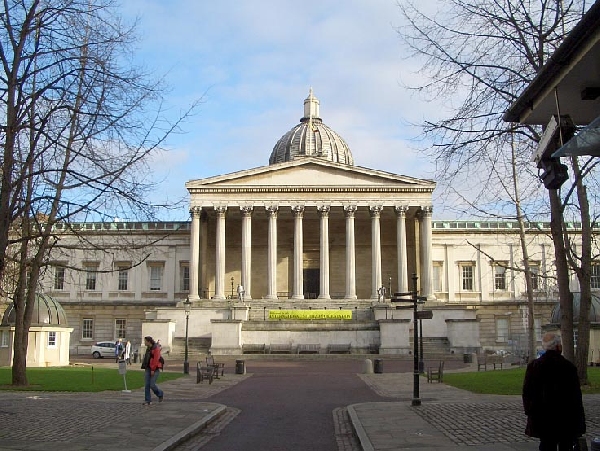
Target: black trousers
point(554, 443)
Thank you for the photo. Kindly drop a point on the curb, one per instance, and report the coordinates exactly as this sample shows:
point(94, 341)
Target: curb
point(360, 432)
point(192, 430)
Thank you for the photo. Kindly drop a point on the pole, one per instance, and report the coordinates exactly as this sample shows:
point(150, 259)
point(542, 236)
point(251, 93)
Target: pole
point(421, 363)
point(186, 364)
point(416, 399)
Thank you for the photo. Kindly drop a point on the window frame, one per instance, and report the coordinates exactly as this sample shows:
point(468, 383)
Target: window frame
point(90, 329)
point(156, 276)
point(438, 279)
point(184, 276)
point(91, 276)
point(595, 276)
point(52, 339)
point(120, 328)
point(59, 277)
point(463, 267)
point(500, 270)
point(499, 337)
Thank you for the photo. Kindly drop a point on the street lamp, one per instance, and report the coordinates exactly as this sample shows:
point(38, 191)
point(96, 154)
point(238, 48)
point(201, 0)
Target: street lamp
point(231, 287)
point(188, 307)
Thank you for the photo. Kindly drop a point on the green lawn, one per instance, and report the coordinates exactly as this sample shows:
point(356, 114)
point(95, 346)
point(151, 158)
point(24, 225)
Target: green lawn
point(507, 382)
point(79, 379)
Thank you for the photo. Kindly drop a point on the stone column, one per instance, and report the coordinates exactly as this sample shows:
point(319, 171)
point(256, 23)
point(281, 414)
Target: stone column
point(220, 253)
point(375, 211)
point(298, 292)
point(401, 248)
point(272, 253)
point(195, 253)
point(324, 252)
point(426, 253)
point(246, 212)
point(349, 211)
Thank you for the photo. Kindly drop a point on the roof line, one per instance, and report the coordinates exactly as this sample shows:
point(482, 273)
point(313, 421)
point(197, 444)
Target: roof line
point(562, 56)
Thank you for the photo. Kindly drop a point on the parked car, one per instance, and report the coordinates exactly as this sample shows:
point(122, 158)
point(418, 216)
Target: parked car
point(103, 349)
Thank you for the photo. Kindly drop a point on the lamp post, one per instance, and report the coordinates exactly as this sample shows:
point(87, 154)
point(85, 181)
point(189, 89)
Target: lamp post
point(231, 287)
point(414, 299)
point(188, 307)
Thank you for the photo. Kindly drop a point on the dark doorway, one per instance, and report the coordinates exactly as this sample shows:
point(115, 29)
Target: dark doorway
point(311, 283)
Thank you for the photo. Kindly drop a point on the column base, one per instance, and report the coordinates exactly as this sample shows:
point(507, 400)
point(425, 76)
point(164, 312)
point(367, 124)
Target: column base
point(325, 296)
point(353, 296)
point(271, 296)
point(218, 296)
point(298, 296)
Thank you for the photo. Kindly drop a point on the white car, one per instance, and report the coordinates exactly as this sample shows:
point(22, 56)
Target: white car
point(103, 349)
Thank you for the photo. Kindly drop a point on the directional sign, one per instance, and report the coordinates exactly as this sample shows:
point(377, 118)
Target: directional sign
point(425, 314)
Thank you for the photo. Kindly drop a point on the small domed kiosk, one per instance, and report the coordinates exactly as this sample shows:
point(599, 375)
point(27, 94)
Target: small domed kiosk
point(49, 334)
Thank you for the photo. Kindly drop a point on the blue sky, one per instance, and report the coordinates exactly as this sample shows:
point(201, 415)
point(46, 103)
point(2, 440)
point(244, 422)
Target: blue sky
point(253, 63)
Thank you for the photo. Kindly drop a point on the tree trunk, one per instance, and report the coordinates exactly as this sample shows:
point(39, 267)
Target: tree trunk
point(562, 276)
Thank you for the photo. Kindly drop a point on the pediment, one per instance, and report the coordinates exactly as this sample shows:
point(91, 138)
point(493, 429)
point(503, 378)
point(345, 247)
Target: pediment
point(306, 173)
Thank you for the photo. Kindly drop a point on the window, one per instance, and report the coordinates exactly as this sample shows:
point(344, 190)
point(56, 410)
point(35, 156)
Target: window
point(90, 276)
point(120, 327)
point(595, 276)
point(59, 277)
point(502, 329)
point(467, 272)
point(123, 278)
point(51, 339)
point(500, 277)
point(438, 273)
point(87, 329)
point(185, 277)
point(4, 339)
point(156, 275)
point(537, 326)
point(535, 276)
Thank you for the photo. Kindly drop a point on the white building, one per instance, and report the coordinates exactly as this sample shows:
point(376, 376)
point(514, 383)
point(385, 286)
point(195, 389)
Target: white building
point(310, 231)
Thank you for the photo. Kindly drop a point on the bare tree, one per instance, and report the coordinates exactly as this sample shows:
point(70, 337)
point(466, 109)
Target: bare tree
point(478, 56)
point(80, 122)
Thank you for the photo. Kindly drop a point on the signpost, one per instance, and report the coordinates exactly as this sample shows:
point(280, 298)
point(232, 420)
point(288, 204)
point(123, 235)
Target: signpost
point(425, 314)
point(123, 371)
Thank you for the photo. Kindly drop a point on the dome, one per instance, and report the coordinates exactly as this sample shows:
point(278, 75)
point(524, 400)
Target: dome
point(46, 312)
point(311, 138)
point(594, 316)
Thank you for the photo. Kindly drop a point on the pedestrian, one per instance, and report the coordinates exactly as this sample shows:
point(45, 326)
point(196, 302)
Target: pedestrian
point(127, 353)
point(118, 349)
point(240, 293)
point(152, 366)
point(552, 399)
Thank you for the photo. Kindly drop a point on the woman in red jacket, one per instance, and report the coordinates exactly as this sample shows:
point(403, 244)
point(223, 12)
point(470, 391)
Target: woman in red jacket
point(152, 364)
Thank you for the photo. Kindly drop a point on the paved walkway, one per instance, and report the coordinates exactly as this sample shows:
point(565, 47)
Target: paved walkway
point(448, 419)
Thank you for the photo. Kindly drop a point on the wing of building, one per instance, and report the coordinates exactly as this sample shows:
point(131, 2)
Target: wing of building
point(316, 245)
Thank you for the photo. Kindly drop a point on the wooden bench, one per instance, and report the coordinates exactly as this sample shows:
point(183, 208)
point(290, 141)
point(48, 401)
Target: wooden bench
point(280, 348)
point(204, 372)
point(253, 348)
point(309, 349)
point(436, 373)
point(210, 361)
point(489, 359)
point(341, 348)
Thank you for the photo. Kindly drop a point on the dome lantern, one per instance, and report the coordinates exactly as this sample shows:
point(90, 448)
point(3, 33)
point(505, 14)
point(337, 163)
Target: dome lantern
point(311, 138)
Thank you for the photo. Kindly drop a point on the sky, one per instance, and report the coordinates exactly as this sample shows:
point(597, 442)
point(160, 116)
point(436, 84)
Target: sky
point(253, 62)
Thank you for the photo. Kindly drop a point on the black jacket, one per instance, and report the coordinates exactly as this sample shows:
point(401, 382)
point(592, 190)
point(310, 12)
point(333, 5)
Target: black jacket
point(552, 398)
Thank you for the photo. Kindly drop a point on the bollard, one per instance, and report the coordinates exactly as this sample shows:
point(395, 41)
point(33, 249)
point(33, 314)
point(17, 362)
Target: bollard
point(240, 367)
point(368, 367)
point(378, 366)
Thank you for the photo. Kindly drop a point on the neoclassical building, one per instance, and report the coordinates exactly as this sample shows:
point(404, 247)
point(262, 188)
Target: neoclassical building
point(309, 232)
point(311, 224)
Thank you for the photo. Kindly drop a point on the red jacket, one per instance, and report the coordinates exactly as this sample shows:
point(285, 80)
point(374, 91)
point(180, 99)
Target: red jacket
point(155, 358)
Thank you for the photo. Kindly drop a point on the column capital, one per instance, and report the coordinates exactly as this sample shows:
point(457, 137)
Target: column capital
point(246, 210)
point(426, 210)
point(195, 211)
point(298, 211)
point(401, 210)
point(349, 210)
point(323, 210)
point(272, 210)
point(375, 210)
point(221, 209)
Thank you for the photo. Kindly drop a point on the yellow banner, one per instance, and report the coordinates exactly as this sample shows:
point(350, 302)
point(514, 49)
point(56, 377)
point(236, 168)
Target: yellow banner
point(310, 314)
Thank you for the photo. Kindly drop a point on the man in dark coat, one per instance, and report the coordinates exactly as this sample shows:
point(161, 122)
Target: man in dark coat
point(552, 398)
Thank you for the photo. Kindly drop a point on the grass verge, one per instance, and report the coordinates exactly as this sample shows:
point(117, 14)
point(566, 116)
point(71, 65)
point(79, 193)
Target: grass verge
point(507, 382)
point(80, 379)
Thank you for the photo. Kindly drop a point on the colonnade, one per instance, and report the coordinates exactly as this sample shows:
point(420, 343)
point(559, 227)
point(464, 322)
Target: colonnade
point(246, 211)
